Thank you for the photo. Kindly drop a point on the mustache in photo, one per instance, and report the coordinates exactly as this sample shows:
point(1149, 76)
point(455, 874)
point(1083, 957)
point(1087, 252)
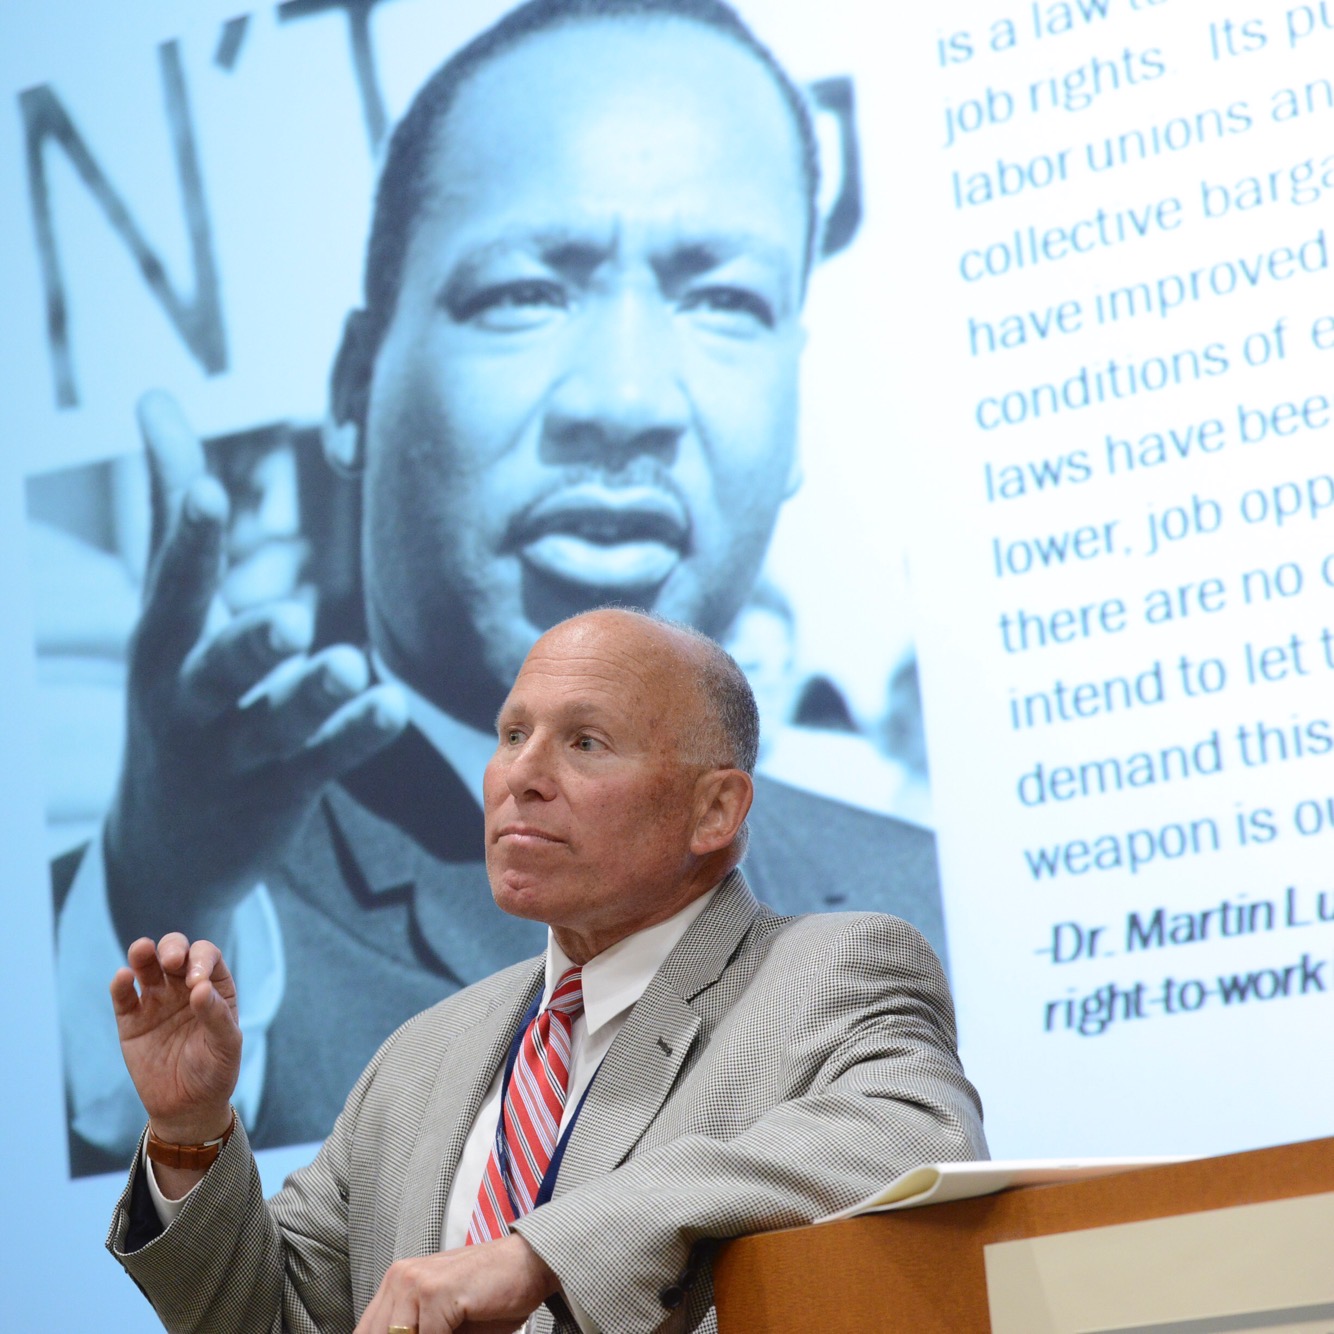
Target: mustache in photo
point(666, 517)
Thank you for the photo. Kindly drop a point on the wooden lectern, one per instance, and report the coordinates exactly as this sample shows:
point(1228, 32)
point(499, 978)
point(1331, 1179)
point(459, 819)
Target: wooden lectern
point(921, 1270)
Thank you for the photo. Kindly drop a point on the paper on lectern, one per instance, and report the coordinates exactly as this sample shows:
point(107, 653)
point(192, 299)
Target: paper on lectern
point(938, 1183)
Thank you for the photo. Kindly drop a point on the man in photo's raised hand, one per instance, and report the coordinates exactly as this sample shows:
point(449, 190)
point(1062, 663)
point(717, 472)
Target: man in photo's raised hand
point(234, 727)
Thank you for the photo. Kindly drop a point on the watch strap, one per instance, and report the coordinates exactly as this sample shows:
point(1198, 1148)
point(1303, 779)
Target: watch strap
point(193, 1157)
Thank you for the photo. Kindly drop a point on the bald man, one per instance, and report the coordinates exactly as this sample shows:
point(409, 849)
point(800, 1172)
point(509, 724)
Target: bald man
point(727, 1069)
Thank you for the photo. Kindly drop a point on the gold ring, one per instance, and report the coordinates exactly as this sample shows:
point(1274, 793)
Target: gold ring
point(402, 1329)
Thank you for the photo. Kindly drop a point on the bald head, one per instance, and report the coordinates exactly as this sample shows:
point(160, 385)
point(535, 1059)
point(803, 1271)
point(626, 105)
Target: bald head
point(620, 785)
point(720, 720)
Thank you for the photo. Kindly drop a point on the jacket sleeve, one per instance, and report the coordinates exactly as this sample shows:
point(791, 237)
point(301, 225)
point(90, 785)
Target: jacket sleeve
point(230, 1261)
point(855, 1049)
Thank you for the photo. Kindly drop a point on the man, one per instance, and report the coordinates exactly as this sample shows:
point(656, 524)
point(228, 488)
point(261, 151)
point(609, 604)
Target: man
point(573, 385)
point(732, 1070)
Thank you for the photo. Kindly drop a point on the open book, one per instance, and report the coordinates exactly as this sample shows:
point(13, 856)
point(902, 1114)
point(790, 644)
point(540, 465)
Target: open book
point(938, 1183)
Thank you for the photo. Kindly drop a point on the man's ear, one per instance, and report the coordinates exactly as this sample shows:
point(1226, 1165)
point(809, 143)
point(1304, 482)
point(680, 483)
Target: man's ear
point(725, 797)
point(349, 392)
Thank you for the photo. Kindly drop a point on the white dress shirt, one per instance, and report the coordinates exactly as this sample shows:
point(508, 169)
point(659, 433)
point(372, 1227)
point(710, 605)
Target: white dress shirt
point(613, 981)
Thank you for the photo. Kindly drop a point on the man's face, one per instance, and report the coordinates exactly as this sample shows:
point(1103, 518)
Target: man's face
point(590, 806)
point(587, 393)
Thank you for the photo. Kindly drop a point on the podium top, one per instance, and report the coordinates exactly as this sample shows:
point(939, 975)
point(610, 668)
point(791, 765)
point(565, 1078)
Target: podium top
point(923, 1269)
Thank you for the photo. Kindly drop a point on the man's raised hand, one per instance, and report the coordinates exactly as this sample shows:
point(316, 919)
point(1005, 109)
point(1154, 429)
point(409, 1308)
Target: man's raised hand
point(234, 727)
point(176, 1015)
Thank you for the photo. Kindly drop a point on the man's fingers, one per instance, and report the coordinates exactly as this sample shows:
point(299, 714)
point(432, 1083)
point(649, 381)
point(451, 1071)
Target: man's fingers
point(216, 1013)
point(182, 581)
point(219, 673)
point(143, 959)
point(487, 1289)
point(175, 457)
point(189, 518)
point(173, 952)
point(313, 734)
point(397, 1302)
point(376, 1316)
point(141, 952)
point(291, 709)
point(124, 994)
point(206, 964)
point(351, 736)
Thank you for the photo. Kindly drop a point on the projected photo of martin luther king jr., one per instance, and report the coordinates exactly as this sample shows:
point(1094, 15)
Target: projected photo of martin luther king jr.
point(573, 383)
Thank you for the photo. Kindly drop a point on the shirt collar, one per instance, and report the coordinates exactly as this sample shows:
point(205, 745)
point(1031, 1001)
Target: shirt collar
point(465, 749)
point(615, 979)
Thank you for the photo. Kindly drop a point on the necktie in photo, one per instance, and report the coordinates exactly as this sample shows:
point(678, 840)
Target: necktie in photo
point(530, 1117)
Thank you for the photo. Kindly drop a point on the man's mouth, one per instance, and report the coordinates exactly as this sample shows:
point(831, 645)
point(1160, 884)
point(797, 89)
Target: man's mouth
point(528, 835)
point(616, 538)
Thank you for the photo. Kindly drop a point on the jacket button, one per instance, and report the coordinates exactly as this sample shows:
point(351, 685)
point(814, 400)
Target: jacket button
point(672, 1296)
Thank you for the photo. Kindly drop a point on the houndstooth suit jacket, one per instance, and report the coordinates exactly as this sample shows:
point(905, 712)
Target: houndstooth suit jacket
point(775, 1069)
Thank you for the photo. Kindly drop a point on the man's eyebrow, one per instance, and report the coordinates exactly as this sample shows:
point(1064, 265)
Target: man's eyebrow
point(574, 256)
point(567, 713)
point(544, 242)
point(505, 715)
point(699, 255)
point(581, 713)
point(580, 249)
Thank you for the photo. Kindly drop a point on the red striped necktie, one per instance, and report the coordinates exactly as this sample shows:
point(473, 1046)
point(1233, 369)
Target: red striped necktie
point(530, 1117)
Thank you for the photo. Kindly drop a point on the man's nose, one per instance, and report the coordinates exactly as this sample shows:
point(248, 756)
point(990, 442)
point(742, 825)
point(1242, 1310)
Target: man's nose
point(622, 389)
point(529, 771)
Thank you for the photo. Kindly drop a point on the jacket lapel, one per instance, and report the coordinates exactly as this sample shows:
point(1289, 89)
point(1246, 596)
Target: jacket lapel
point(410, 830)
point(646, 1056)
point(461, 1082)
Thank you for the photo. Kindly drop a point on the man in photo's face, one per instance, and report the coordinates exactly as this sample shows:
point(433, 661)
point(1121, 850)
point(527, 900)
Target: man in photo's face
point(587, 391)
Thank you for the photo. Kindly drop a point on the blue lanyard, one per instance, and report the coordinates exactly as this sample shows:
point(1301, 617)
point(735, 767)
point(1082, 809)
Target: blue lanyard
point(548, 1183)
